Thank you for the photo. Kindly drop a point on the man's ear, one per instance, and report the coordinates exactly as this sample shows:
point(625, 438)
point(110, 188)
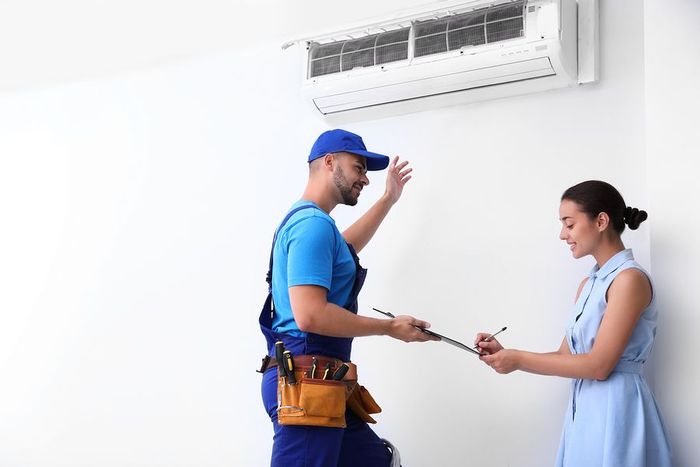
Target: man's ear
point(602, 221)
point(330, 160)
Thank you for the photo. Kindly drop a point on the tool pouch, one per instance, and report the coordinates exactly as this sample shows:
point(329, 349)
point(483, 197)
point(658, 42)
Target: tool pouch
point(315, 402)
point(361, 402)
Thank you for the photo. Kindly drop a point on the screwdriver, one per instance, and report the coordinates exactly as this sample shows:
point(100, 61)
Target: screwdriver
point(289, 366)
point(279, 356)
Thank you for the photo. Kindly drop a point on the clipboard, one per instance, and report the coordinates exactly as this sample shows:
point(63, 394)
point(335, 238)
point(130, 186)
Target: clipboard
point(439, 336)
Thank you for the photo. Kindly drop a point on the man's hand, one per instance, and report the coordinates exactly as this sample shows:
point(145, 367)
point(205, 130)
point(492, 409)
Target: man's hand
point(396, 178)
point(404, 328)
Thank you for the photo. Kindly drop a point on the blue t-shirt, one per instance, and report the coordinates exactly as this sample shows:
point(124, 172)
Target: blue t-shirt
point(309, 251)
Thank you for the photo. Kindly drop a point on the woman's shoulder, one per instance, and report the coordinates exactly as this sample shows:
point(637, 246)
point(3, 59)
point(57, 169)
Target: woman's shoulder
point(632, 283)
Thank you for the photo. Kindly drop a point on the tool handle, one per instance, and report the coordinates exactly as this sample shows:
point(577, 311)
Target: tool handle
point(326, 371)
point(314, 366)
point(289, 367)
point(340, 372)
point(279, 356)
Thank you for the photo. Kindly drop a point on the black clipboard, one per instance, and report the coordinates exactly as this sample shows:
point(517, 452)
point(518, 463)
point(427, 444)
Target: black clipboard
point(439, 336)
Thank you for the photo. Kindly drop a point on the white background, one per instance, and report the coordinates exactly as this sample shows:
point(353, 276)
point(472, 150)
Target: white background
point(137, 208)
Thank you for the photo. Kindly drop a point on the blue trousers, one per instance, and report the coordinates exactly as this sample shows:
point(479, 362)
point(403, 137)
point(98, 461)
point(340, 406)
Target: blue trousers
point(313, 446)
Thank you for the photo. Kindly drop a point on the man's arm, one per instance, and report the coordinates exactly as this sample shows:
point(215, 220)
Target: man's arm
point(313, 313)
point(362, 231)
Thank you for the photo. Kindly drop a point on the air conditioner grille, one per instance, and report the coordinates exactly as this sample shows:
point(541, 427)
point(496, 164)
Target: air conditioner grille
point(371, 50)
point(478, 27)
point(483, 26)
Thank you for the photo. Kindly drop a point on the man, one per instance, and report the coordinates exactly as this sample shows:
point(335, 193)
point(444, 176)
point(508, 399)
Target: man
point(316, 277)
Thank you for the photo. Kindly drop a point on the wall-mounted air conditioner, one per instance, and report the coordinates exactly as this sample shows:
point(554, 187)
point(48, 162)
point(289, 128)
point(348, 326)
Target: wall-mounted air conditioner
point(478, 49)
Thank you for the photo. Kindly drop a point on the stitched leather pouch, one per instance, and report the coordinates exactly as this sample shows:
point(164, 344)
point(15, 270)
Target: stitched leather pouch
point(363, 404)
point(314, 402)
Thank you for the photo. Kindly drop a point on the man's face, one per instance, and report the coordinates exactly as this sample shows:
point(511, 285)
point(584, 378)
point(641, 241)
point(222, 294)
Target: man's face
point(350, 176)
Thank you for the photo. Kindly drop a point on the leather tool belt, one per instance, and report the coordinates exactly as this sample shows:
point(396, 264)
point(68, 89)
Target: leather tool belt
point(315, 399)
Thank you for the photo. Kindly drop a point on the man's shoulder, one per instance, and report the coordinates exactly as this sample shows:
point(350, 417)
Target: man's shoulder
point(307, 221)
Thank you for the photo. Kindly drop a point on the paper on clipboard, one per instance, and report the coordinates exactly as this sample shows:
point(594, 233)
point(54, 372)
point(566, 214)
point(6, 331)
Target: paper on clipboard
point(439, 336)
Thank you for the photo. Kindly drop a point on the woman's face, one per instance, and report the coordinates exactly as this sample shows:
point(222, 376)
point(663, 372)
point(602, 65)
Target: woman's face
point(577, 229)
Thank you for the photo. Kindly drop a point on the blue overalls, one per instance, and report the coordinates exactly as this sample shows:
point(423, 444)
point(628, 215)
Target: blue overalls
point(311, 446)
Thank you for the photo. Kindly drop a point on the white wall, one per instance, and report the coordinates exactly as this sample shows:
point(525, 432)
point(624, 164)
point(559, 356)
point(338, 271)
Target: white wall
point(136, 219)
point(672, 99)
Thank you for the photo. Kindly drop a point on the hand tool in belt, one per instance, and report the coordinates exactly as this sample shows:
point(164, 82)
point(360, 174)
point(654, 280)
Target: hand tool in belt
point(340, 372)
point(279, 356)
point(304, 362)
point(289, 367)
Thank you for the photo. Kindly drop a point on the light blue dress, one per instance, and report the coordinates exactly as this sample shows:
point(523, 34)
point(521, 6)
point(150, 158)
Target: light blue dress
point(616, 422)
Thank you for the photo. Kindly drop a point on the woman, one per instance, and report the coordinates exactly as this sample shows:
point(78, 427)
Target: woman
point(612, 419)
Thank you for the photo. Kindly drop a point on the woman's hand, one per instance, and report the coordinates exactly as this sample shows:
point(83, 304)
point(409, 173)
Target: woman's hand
point(486, 348)
point(503, 361)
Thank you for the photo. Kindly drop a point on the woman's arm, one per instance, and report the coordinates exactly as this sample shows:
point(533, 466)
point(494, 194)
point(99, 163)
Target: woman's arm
point(628, 296)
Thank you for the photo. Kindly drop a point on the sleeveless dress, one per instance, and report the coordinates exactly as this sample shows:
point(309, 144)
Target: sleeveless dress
point(615, 422)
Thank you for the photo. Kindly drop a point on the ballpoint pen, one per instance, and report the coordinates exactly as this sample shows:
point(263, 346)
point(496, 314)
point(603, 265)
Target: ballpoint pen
point(490, 337)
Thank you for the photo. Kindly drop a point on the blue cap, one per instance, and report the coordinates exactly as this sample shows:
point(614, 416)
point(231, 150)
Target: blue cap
point(344, 141)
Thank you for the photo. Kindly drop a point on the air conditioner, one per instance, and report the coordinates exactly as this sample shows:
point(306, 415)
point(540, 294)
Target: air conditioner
point(476, 50)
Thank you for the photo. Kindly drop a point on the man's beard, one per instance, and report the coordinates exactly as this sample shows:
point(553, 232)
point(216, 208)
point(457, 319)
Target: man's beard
point(344, 187)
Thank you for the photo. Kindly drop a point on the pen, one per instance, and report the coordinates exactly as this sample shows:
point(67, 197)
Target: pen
point(491, 336)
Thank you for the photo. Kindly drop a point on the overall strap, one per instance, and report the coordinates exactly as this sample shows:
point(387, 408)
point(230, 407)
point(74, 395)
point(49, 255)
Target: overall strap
point(274, 239)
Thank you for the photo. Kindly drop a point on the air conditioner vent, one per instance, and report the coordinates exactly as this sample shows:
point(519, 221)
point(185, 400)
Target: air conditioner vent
point(483, 26)
point(370, 50)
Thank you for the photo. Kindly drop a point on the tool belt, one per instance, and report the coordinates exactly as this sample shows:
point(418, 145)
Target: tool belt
point(317, 400)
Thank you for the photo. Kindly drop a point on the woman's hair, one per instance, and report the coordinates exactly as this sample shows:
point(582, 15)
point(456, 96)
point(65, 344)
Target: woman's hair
point(594, 197)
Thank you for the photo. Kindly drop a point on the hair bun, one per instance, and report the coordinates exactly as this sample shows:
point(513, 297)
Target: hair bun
point(633, 217)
